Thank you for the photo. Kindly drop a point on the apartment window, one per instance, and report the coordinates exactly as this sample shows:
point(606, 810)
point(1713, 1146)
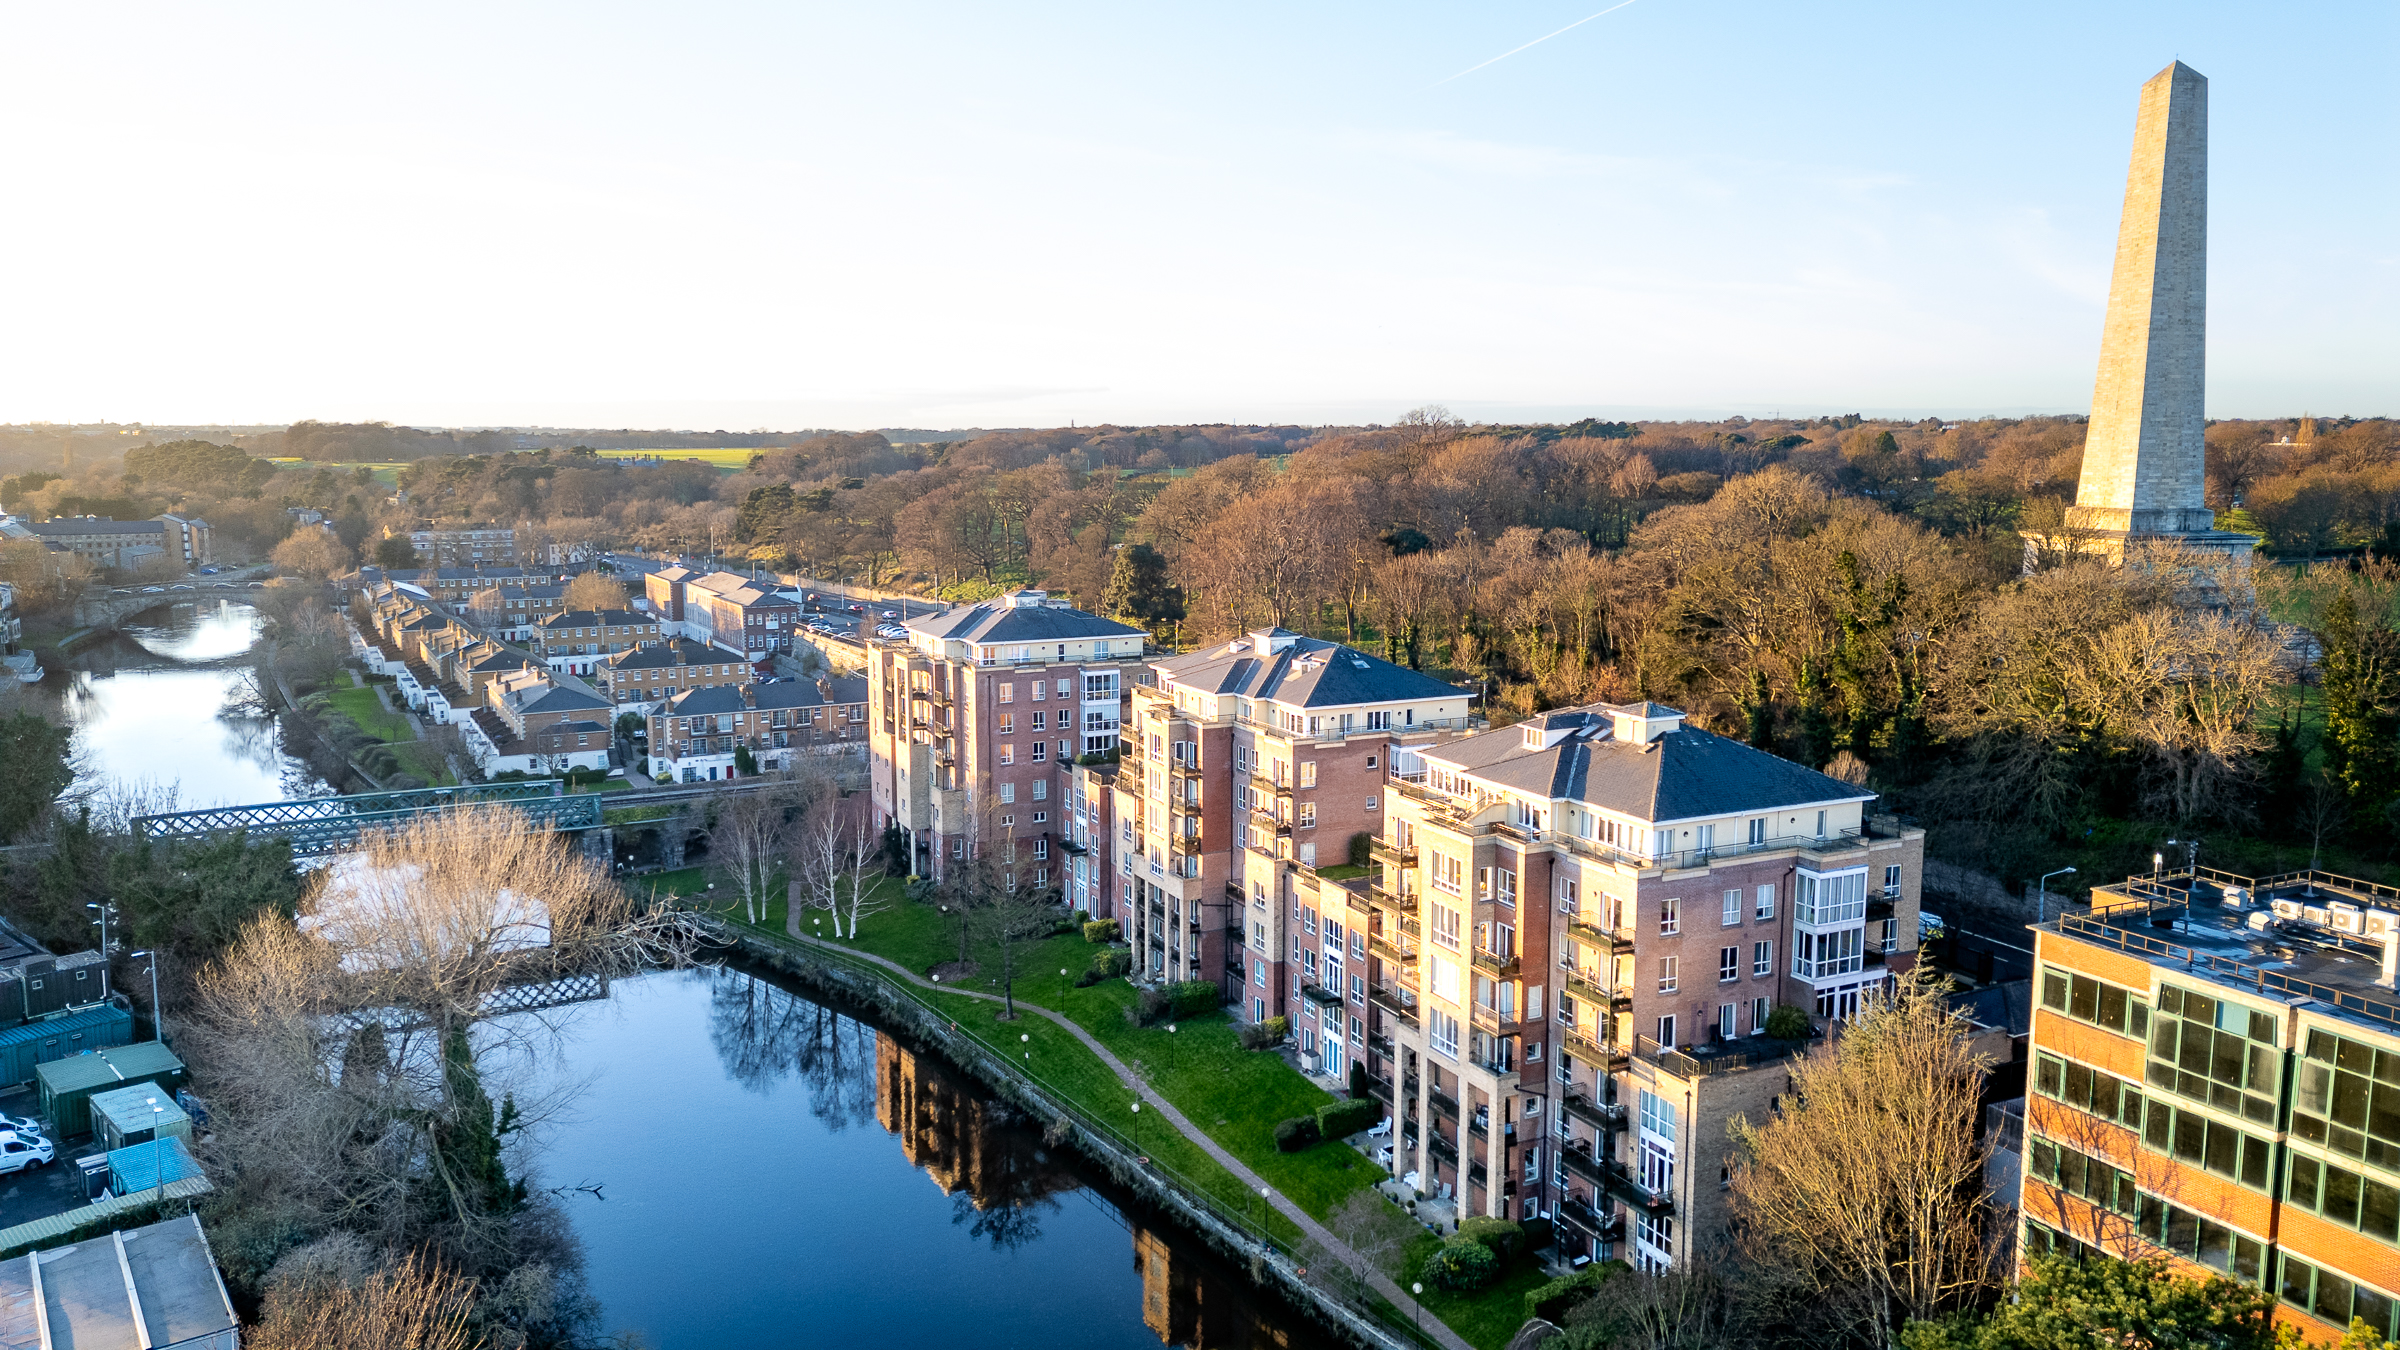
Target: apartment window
point(1008, 822)
point(1008, 792)
point(1889, 941)
point(1762, 959)
point(1666, 1028)
point(1670, 916)
point(1040, 817)
point(1370, 801)
point(1566, 895)
point(1891, 882)
point(1037, 717)
point(1308, 773)
point(1308, 815)
point(1732, 909)
point(1358, 994)
point(1008, 693)
point(1758, 830)
point(1444, 1032)
point(1041, 751)
point(1507, 882)
point(1758, 1014)
point(1446, 926)
point(1041, 848)
point(1008, 753)
point(1258, 976)
point(1008, 724)
point(1727, 1013)
point(1729, 964)
point(1765, 908)
point(1667, 978)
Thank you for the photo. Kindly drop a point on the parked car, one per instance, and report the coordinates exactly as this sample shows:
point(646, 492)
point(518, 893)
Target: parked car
point(154, 590)
point(858, 609)
point(18, 1152)
point(208, 571)
point(22, 1125)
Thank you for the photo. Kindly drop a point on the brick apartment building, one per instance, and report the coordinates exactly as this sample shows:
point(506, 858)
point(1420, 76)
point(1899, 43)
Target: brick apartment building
point(1247, 766)
point(639, 679)
point(1089, 839)
point(979, 716)
point(128, 543)
point(694, 736)
point(724, 609)
point(516, 612)
point(579, 642)
point(1562, 968)
point(469, 546)
point(2216, 1077)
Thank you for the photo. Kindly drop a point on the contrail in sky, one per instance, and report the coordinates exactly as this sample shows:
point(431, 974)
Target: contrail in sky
point(1535, 43)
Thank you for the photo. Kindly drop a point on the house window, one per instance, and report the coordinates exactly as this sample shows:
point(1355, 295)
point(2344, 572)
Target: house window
point(1758, 1015)
point(1008, 693)
point(1762, 958)
point(1726, 1019)
point(1670, 917)
point(1891, 882)
point(1729, 964)
point(1008, 753)
point(1308, 815)
point(1666, 1027)
point(1308, 773)
point(1008, 792)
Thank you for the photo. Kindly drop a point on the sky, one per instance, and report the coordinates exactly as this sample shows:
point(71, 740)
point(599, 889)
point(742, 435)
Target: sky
point(941, 215)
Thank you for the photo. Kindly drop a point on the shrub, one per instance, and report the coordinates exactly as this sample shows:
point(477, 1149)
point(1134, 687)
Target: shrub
point(1359, 844)
point(1100, 931)
point(1788, 1023)
point(1503, 1236)
point(1295, 1134)
point(1553, 1301)
point(1539, 1233)
point(1461, 1265)
point(1358, 1080)
point(1340, 1120)
point(1264, 1035)
point(1107, 964)
point(1194, 997)
point(1148, 1006)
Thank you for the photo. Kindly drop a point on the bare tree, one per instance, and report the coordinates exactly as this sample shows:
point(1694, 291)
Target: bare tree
point(860, 893)
point(747, 843)
point(1017, 915)
point(1375, 1235)
point(1866, 1184)
point(327, 1304)
point(593, 591)
point(1691, 1307)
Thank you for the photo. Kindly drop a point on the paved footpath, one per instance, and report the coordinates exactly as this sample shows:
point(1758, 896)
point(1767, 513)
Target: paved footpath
point(1316, 1232)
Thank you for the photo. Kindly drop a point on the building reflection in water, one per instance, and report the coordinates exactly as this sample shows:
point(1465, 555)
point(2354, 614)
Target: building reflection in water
point(983, 1152)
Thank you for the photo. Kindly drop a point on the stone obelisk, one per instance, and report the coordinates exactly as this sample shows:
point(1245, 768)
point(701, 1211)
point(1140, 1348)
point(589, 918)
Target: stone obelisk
point(2143, 454)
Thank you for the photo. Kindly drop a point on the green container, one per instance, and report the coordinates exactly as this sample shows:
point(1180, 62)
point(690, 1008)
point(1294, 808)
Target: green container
point(25, 1047)
point(68, 1084)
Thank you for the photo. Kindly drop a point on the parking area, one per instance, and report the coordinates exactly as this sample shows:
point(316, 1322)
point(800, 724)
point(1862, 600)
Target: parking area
point(39, 1192)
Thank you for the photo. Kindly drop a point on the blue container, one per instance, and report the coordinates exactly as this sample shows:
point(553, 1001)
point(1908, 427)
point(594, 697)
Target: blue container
point(23, 1047)
point(136, 1168)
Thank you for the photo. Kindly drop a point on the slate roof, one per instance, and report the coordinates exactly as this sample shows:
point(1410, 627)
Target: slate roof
point(988, 624)
point(1310, 673)
point(670, 653)
point(596, 618)
point(2007, 1004)
point(558, 698)
point(1684, 774)
point(63, 528)
point(742, 590)
point(849, 690)
point(731, 698)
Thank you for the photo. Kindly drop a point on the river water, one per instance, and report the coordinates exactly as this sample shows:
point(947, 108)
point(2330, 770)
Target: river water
point(148, 710)
point(772, 1172)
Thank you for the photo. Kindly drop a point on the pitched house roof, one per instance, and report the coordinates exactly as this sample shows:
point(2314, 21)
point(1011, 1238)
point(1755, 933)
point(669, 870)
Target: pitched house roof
point(838, 689)
point(596, 618)
point(1018, 619)
point(1682, 773)
point(1303, 672)
point(671, 653)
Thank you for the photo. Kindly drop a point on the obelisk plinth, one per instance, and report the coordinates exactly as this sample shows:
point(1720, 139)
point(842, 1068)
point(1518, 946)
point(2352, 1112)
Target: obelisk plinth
point(2144, 453)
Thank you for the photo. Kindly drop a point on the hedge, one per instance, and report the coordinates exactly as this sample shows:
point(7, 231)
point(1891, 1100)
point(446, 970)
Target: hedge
point(1462, 1264)
point(1295, 1134)
point(1100, 931)
point(1265, 1035)
point(1341, 1119)
point(1503, 1236)
point(1194, 997)
point(1553, 1301)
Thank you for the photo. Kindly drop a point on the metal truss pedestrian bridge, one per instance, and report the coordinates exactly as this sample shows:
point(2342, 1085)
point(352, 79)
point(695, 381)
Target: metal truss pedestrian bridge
point(320, 825)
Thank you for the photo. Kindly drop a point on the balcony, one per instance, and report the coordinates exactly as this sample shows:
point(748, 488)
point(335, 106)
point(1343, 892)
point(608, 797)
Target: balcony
point(1443, 1102)
point(1584, 1219)
point(1621, 1184)
point(1481, 1128)
point(1442, 1148)
point(1398, 1002)
point(1588, 1051)
point(1496, 1065)
point(1233, 893)
point(1392, 855)
point(1380, 1044)
point(1478, 1175)
point(1721, 1056)
point(1266, 819)
point(1381, 1087)
point(1607, 942)
point(1587, 984)
point(1581, 1162)
point(1317, 993)
point(1604, 1115)
point(1494, 964)
point(1380, 942)
point(1068, 843)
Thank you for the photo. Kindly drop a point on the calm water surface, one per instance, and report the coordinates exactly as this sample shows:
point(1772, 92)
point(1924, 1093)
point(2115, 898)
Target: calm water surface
point(774, 1173)
point(146, 709)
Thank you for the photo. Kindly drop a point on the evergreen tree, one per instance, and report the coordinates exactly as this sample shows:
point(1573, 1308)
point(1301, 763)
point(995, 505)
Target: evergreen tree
point(2100, 1302)
point(36, 753)
point(1138, 588)
point(2361, 693)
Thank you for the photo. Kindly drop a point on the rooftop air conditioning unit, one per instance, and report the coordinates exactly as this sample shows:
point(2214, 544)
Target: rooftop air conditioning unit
point(2259, 919)
point(2345, 918)
point(2379, 923)
point(2317, 915)
point(2285, 909)
point(2236, 897)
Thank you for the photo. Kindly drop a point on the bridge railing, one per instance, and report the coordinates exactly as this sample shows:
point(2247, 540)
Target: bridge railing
point(332, 824)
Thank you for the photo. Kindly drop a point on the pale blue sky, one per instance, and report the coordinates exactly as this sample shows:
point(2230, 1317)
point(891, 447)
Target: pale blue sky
point(736, 215)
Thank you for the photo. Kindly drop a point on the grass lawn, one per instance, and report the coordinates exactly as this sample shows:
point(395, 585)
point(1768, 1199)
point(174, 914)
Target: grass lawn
point(425, 762)
point(723, 460)
point(1345, 872)
point(635, 815)
point(1487, 1317)
point(605, 785)
point(361, 706)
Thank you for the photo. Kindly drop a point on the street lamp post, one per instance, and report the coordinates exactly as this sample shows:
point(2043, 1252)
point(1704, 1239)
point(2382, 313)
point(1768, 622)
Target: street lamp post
point(1170, 1047)
point(158, 1029)
point(157, 1164)
point(1137, 1128)
point(1062, 989)
point(2044, 888)
point(1417, 1290)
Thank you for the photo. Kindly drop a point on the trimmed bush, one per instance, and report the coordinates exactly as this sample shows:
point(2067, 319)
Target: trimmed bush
point(1503, 1236)
point(1265, 1035)
point(1295, 1134)
point(1553, 1301)
point(1194, 997)
point(1107, 964)
point(1539, 1233)
point(1359, 844)
point(1788, 1023)
point(1462, 1265)
point(1340, 1120)
point(1100, 932)
point(1148, 1006)
point(1358, 1080)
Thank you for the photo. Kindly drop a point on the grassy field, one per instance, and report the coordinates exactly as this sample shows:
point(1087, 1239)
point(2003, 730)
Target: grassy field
point(386, 474)
point(1236, 1096)
point(724, 461)
point(361, 706)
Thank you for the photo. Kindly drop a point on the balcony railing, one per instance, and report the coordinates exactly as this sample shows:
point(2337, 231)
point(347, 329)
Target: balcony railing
point(1494, 964)
point(1317, 993)
point(1381, 1087)
point(1622, 1184)
point(1589, 1051)
point(1606, 940)
point(1395, 855)
point(1442, 1148)
point(1398, 1002)
point(1583, 1164)
point(1443, 1102)
point(1587, 984)
point(1720, 1057)
point(1606, 1115)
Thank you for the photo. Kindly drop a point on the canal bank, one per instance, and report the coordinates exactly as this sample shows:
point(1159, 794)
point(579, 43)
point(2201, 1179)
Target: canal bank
point(1267, 1241)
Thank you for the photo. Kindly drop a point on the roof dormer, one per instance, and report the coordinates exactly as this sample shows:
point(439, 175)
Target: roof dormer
point(1268, 641)
point(1641, 723)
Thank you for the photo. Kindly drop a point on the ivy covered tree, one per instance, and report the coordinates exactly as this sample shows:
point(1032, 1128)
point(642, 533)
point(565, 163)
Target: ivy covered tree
point(2099, 1303)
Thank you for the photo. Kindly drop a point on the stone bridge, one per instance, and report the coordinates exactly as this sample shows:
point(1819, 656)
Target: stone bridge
point(107, 608)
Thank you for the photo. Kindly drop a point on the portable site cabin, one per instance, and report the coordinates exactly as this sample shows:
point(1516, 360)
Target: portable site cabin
point(128, 1170)
point(126, 1115)
point(68, 1084)
point(153, 1287)
point(44, 984)
point(25, 1047)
